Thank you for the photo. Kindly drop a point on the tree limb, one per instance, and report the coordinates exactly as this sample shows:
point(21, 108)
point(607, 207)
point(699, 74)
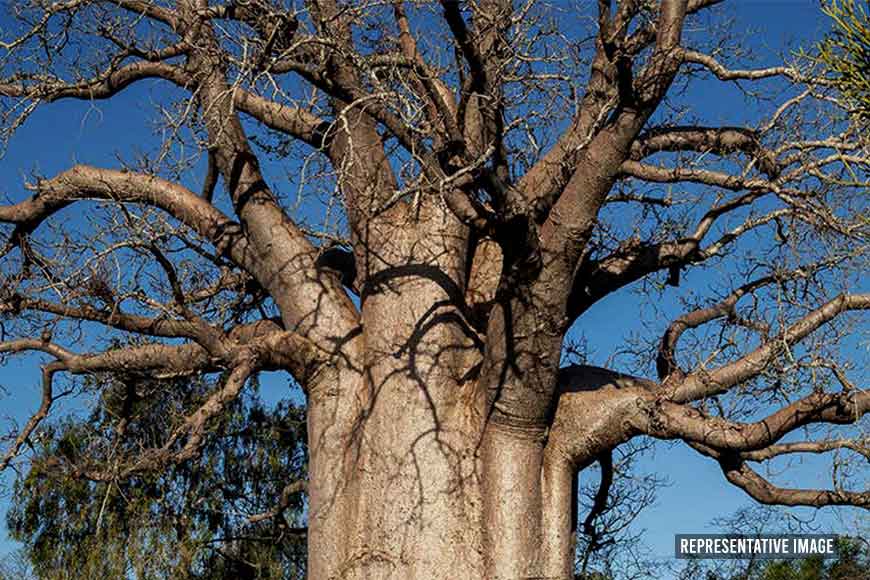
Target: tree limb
point(761, 490)
point(84, 182)
point(780, 449)
point(701, 383)
point(668, 420)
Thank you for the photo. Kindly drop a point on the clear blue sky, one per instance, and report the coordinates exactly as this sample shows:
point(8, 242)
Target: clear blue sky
point(67, 133)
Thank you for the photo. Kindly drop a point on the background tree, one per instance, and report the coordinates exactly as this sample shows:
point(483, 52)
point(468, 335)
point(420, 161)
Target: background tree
point(851, 563)
point(852, 560)
point(846, 52)
point(465, 180)
point(215, 517)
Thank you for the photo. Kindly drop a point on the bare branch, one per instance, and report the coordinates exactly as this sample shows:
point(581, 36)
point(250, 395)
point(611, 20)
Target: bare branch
point(292, 121)
point(634, 260)
point(48, 372)
point(672, 421)
point(283, 503)
point(701, 383)
point(162, 360)
point(725, 74)
point(149, 9)
point(780, 449)
point(84, 182)
point(718, 140)
point(599, 504)
point(666, 364)
point(761, 490)
point(103, 86)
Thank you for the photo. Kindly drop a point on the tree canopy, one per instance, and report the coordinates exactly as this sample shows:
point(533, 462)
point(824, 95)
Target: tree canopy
point(414, 209)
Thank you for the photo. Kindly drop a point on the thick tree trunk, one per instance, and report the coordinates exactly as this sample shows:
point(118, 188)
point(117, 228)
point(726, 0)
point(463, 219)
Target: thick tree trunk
point(414, 504)
point(427, 501)
point(413, 480)
point(512, 503)
point(433, 487)
point(422, 488)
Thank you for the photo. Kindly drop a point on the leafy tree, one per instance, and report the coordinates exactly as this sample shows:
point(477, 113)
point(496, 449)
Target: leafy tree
point(853, 560)
point(410, 207)
point(852, 563)
point(215, 517)
point(846, 52)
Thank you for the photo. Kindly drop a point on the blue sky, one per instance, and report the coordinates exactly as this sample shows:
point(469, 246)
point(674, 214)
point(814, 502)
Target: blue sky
point(66, 133)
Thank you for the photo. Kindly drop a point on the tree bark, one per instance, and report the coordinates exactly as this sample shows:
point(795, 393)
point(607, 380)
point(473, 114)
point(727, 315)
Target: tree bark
point(420, 497)
point(423, 486)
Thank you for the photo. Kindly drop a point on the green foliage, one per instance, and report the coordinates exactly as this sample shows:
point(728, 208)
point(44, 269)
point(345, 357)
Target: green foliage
point(852, 563)
point(846, 51)
point(190, 521)
point(809, 569)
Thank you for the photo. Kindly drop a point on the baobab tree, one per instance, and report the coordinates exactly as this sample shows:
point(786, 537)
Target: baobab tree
point(479, 175)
